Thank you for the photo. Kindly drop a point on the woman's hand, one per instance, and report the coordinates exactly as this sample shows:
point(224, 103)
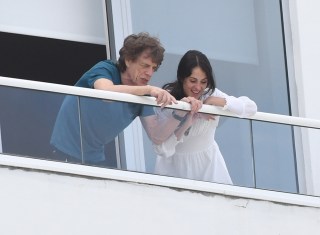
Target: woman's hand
point(195, 104)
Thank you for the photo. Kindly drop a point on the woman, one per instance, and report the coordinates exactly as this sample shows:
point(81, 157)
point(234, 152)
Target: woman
point(191, 151)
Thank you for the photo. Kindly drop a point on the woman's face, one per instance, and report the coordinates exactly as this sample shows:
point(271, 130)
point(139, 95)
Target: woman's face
point(196, 83)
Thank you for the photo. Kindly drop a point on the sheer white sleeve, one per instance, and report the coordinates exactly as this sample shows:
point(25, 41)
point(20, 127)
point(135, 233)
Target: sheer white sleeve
point(241, 106)
point(168, 147)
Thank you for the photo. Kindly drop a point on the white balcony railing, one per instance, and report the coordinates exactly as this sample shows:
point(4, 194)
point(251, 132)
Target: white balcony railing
point(84, 92)
point(64, 89)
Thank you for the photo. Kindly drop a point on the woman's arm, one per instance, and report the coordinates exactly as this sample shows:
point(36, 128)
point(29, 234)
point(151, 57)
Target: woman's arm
point(216, 101)
point(184, 126)
point(158, 128)
point(167, 147)
point(242, 106)
point(162, 125)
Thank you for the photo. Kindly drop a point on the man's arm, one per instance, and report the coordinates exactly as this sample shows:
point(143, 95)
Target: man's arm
point(162, 96)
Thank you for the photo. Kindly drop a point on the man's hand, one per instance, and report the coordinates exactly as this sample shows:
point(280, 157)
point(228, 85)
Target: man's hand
point(162, 96)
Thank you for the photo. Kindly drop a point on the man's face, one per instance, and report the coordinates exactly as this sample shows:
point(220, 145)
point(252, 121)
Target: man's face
point(141, 70)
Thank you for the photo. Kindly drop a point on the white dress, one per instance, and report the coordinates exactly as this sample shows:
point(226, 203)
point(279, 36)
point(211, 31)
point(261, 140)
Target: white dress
point(196, 155)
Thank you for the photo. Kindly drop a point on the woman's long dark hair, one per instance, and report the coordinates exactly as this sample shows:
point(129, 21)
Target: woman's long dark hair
point(188, 62)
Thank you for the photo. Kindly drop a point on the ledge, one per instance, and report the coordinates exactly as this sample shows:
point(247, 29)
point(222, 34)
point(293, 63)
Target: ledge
point(163, 181)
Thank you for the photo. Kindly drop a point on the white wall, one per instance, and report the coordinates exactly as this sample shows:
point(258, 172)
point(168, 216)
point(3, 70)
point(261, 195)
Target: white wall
point(305, 21)
point(75, 20)
point(36, 202)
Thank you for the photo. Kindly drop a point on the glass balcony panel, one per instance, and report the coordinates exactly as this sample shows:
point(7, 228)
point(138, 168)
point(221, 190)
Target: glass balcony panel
point(35, 124)
point(248, 147)
point(205, 142)
point(27, 118)
point(234, 137)
point(66, 132)
point(274, 157)
point(100, 122)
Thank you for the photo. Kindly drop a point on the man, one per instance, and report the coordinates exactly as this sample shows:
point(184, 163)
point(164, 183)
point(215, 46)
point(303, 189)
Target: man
point(101, 121)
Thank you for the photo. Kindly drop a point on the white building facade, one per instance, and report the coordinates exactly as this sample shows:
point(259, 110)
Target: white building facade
point(265, 49)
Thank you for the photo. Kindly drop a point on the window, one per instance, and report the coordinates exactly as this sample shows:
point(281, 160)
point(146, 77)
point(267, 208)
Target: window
point(244, 42)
